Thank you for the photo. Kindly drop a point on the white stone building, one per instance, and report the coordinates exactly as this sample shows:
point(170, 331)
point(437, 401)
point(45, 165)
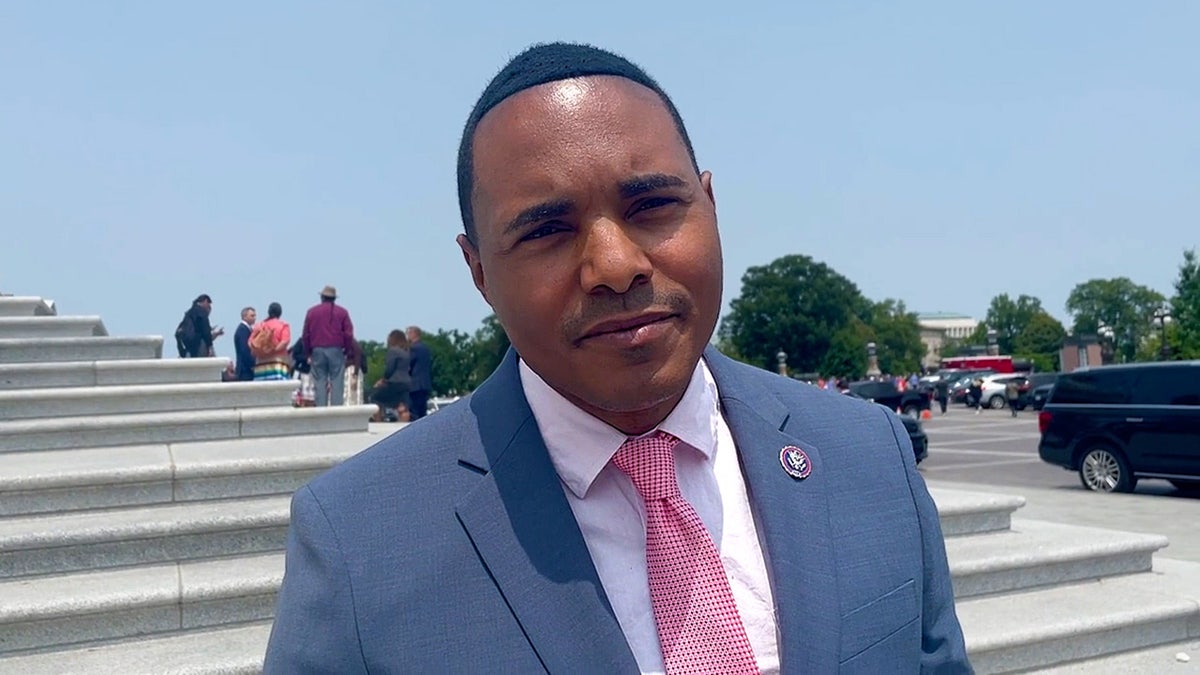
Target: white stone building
point(938, 328)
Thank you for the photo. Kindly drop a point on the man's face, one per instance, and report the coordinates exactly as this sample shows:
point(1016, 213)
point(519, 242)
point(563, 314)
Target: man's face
point(412, 335)
point(249, 316)
point(206, 305)
point(597, 244)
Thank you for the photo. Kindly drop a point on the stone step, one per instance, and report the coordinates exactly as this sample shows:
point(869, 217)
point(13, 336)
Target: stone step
point(235, 650)
point(41, 350)
point(24, 305)
point(1036, 554)
point(110, 373)
point(85, 607)
point(178, 427)
point(92, 478)
point(93, 540)
point(29, 404)
point(965, 513)
point(1052, 626)
point(51, 326)
point(1152, 661)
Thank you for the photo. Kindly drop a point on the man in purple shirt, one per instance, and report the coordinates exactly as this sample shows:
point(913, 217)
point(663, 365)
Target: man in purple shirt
point(328, 339)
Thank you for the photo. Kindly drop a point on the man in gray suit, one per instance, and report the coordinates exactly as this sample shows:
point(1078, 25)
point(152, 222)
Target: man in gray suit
point(618, 497)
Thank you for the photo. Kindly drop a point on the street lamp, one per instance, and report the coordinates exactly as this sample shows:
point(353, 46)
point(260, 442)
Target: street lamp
point(1161, 316)
point(872, 361)
point(781, 358)
point(992, 348)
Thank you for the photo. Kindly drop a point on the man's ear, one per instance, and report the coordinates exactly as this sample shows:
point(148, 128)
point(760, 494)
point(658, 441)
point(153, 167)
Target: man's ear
point(706, 183)
point(475, 264)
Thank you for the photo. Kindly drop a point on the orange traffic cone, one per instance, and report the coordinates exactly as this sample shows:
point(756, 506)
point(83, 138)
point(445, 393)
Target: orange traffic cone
point(926, 414)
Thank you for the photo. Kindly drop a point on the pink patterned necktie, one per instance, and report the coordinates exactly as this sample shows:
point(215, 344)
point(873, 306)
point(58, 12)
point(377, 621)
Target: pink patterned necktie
point(698, 623)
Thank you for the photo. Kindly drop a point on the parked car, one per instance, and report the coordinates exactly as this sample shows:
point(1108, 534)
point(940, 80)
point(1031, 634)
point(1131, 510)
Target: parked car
point(917, 435)
point(995, 389)
point(1038, 396)
point(1118, 424)
point(1032, 382)
point(909, 403)
point(961, 389)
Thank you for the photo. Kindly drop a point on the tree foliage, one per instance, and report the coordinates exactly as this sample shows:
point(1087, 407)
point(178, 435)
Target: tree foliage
point(1009, 318)
point(1184, 337)
point(1118, 311)
point(820, 319)
point(794, 304)
point(897, 336)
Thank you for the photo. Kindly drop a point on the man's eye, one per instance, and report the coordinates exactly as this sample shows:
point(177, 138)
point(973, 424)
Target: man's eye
point(654, 203)
point(543, 231)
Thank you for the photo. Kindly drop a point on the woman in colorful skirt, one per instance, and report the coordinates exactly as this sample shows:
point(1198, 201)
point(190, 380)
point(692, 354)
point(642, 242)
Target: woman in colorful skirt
point(269, 343)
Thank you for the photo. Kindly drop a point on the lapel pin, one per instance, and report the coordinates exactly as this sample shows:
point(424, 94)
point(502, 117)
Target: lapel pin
point(795, 462)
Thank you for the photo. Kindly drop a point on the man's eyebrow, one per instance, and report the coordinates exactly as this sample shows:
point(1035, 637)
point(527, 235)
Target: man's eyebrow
point(648, 183)
point(543, 211)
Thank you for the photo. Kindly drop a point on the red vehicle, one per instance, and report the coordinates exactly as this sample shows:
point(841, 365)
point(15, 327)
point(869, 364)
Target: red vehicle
point(996, 364)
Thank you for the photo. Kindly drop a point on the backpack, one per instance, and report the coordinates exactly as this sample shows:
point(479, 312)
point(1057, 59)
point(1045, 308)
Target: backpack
point(262, 342)
point(185, 334)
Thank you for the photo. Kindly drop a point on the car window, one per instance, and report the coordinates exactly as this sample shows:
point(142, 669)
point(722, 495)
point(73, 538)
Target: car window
point(1164, 385)
point(1094, 386)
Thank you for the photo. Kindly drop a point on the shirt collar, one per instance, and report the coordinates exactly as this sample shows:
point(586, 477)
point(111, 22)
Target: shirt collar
point(581, 445)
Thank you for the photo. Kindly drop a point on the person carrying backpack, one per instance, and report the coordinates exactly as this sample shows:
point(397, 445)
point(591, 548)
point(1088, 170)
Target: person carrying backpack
point(194, 336)
point(269, 344)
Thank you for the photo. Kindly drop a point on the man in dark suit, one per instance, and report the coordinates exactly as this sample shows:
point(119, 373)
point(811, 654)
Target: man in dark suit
point(420, 369)
point(241, 345)
point(618, 497)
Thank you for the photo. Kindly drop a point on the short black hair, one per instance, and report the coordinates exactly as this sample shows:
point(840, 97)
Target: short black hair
point(203, 297)
point(537, 65)
point(274, 310)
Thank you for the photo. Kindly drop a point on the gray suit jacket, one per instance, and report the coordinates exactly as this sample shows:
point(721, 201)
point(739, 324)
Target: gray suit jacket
point(450, 546)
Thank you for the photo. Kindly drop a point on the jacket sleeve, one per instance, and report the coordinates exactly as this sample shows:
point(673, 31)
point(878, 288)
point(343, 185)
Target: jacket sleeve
point(306, 335)
point(348, 336)
point(943, 650)
point(315, 628)
point(241, 345)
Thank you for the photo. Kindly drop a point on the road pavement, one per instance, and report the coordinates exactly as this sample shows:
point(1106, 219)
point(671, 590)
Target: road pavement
point(992, 452)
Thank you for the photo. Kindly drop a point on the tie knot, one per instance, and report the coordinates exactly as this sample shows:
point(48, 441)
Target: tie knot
point(650, 463)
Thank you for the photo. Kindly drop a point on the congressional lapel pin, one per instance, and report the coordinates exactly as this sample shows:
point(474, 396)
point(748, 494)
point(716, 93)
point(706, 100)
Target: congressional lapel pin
point(795, 462)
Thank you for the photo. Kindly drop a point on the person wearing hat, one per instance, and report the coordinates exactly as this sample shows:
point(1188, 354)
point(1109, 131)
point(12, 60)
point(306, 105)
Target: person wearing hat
point(618, 496)
point(328, 339)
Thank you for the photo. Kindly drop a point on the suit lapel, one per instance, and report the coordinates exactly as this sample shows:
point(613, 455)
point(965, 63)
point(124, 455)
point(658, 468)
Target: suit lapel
point(525, 533)
point(792, 517)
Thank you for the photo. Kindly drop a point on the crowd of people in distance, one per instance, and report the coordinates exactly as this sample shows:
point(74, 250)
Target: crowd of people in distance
point(326, 361)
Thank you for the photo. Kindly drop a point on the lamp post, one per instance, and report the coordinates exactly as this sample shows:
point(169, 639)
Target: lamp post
point(872, 361)
point(1161, 316)
point(993, 349)
point(781, 358)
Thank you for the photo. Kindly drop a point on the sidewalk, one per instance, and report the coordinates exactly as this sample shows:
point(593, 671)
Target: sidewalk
point(1178, 518)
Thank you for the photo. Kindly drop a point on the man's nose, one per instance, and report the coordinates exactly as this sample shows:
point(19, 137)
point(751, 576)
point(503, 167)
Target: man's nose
point(613, 259)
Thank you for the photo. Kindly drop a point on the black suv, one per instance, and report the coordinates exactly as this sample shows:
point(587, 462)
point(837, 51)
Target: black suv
point(910, 403)
point(1116, 424)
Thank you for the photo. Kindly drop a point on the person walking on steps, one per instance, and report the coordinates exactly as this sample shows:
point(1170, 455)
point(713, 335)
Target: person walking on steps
point(328, 338)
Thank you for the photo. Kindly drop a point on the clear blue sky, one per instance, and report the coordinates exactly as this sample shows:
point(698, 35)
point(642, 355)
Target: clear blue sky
point(940, 153)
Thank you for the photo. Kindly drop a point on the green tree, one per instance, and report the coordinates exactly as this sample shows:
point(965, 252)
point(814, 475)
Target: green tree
point(1117, 310)
point(1184, 335)
point(847, 353)
point(376, 353)
point(489, 346)
point(795, 304)
point(897, 337)
point(1041, 342)
point(453, 365)
point(1010, 317)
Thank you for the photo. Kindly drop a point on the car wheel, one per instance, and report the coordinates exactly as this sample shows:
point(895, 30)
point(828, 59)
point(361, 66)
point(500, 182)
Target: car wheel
point(996, 402)
point(1190, 487)
point(912, 411)
point(1103, 469)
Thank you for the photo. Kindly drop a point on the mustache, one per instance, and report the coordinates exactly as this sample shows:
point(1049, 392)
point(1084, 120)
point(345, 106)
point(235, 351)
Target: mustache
point(636, 300)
